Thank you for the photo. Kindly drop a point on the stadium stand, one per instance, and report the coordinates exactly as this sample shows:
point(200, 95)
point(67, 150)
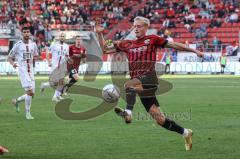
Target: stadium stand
point(190, 15)
point(186, 21)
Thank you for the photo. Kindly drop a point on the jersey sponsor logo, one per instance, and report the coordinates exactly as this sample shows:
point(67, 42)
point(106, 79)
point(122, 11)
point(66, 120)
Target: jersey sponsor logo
point(27, 56)
point(139, 49)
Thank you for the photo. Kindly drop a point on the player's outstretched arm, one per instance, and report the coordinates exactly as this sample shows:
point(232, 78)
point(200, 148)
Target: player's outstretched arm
point(182, 47)
point(106, 45)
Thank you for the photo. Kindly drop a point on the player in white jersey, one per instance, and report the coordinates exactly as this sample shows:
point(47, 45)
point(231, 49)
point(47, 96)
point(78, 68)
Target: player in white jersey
point(24, 51)
point(60, 57)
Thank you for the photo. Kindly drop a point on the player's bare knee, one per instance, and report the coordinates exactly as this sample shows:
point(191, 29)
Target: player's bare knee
point(76, 78)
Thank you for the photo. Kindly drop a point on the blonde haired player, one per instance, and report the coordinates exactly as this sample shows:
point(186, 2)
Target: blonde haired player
point(141, 54)
point(60, 56)
point(24, 51)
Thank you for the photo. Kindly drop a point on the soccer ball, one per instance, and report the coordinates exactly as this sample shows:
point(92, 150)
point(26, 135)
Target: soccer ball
point(110, 93)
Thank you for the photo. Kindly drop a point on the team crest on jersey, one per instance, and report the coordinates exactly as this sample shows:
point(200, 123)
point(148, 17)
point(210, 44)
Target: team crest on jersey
point(147, 41)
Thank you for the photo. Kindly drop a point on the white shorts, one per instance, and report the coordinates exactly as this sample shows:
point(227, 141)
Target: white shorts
point(58, 73)
point(27, 81)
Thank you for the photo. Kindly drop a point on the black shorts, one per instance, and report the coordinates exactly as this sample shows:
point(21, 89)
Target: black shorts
point(150, 85)
point(223, 66)
point(72, 72)
point(149, 80)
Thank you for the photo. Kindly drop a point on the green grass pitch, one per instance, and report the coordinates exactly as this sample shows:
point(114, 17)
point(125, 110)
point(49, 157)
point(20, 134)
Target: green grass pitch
point(210, 105)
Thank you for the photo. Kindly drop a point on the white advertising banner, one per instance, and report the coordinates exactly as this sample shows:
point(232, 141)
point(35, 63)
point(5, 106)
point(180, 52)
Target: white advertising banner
point(203, 67)
point(191, 57)
point(106, 67)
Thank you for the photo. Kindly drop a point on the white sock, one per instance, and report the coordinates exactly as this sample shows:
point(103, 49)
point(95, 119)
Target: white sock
point(21, 98)
point(56, 94)
point(46, 84)
point(185, 132)
point(59, 93)
point(28, 102)
point(128, 111)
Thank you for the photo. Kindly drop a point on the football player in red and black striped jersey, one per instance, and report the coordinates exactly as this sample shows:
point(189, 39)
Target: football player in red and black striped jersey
point(77, 53)
point(141, 54)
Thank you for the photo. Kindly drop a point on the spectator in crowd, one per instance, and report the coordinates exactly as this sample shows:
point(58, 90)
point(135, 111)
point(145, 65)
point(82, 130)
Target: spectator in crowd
point(118, 35)
point(190, 18)
point(233, 18)
point(204, 13)
point(168, 23)
point(205, 45)
point(186, 9)
point(201, 32)
point(230, 7)
point(203, 3)
point(48, 34)
point(117, 11)
point(121, 34)
point(221, 10)
point(170, 13)
point(211, 8)
point(216, 43)
point(155, 17)
point(106, 23)
point(46, 15)
point(215, 23)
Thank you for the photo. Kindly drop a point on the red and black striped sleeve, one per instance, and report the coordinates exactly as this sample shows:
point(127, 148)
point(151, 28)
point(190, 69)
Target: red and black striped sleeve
point(159, 41)
point(122, 45)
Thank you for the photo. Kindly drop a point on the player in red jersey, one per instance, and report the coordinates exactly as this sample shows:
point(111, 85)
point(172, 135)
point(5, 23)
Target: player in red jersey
point(77, 53)
point(141, 54)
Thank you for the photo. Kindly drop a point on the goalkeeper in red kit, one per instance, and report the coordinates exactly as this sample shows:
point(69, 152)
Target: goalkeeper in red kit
point(77, 53)
point(141, 54)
